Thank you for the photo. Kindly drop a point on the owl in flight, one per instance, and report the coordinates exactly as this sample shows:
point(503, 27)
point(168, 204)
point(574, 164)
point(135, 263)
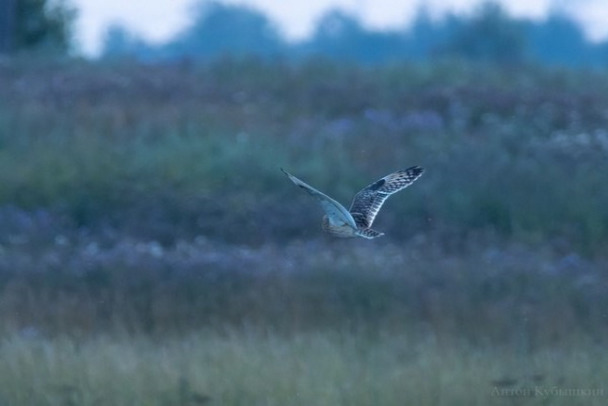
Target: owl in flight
point(356, 221)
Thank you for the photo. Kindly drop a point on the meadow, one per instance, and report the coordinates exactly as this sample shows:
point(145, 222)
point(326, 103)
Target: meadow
point(322, 368)
point(151, 251)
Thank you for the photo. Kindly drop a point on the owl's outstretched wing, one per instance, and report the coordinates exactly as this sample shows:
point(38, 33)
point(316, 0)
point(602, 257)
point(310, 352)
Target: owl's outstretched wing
point(336, 213)
point(368, 202)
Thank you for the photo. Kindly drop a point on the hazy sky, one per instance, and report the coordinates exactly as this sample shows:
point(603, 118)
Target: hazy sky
point(157, 20)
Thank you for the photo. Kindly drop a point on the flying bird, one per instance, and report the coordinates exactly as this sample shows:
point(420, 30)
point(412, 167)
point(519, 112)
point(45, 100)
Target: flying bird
point(357, 221)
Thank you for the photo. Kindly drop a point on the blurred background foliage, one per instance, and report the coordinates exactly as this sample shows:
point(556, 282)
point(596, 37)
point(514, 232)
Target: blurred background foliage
point(218, 29)
point(488, 35)
point(143, 215)
point(36, 26)
point(152, 150)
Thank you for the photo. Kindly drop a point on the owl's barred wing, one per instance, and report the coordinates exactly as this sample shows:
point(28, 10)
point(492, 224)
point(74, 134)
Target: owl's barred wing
point(369, 200)
point(336, 213)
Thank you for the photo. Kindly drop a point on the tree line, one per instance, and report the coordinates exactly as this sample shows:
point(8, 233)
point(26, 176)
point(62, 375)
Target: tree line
point(487, 35)
point(216, 30)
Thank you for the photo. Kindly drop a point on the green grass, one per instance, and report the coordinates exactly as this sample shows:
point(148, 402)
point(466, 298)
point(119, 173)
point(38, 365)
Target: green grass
point(481, 294)
point(323, 323)
point(144, 148)
point(250, 367)
point(152, 252)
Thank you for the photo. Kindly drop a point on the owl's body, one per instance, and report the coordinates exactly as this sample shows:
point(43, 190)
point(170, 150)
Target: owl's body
point(357, 221)
point(346, 231)
point(342, 230)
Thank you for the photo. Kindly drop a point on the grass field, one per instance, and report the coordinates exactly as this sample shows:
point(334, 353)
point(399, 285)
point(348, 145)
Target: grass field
point(152, 253)
point(145, 150)
point(250, 367)
point(305, 323)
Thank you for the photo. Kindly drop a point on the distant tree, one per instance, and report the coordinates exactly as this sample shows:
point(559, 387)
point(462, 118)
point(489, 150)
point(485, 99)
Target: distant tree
point(117, 41)
point(120, 43)
point(600, 53)
point(341, 36)
point(7, 25)
point(428, 38)
point(490, 35)
point(559, 40)
point(423, 34)
point(36, 25)
point(219, 29)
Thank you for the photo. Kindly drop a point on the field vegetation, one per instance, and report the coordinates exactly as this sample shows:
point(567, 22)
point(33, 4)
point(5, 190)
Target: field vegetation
point(151, 251)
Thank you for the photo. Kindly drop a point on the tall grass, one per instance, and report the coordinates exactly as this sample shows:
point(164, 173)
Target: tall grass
point(250, 367)
point(143, 148)
point(151, 252)
point(488, 295)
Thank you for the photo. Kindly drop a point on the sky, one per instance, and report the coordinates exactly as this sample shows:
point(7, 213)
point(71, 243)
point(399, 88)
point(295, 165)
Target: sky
point(159, 20)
